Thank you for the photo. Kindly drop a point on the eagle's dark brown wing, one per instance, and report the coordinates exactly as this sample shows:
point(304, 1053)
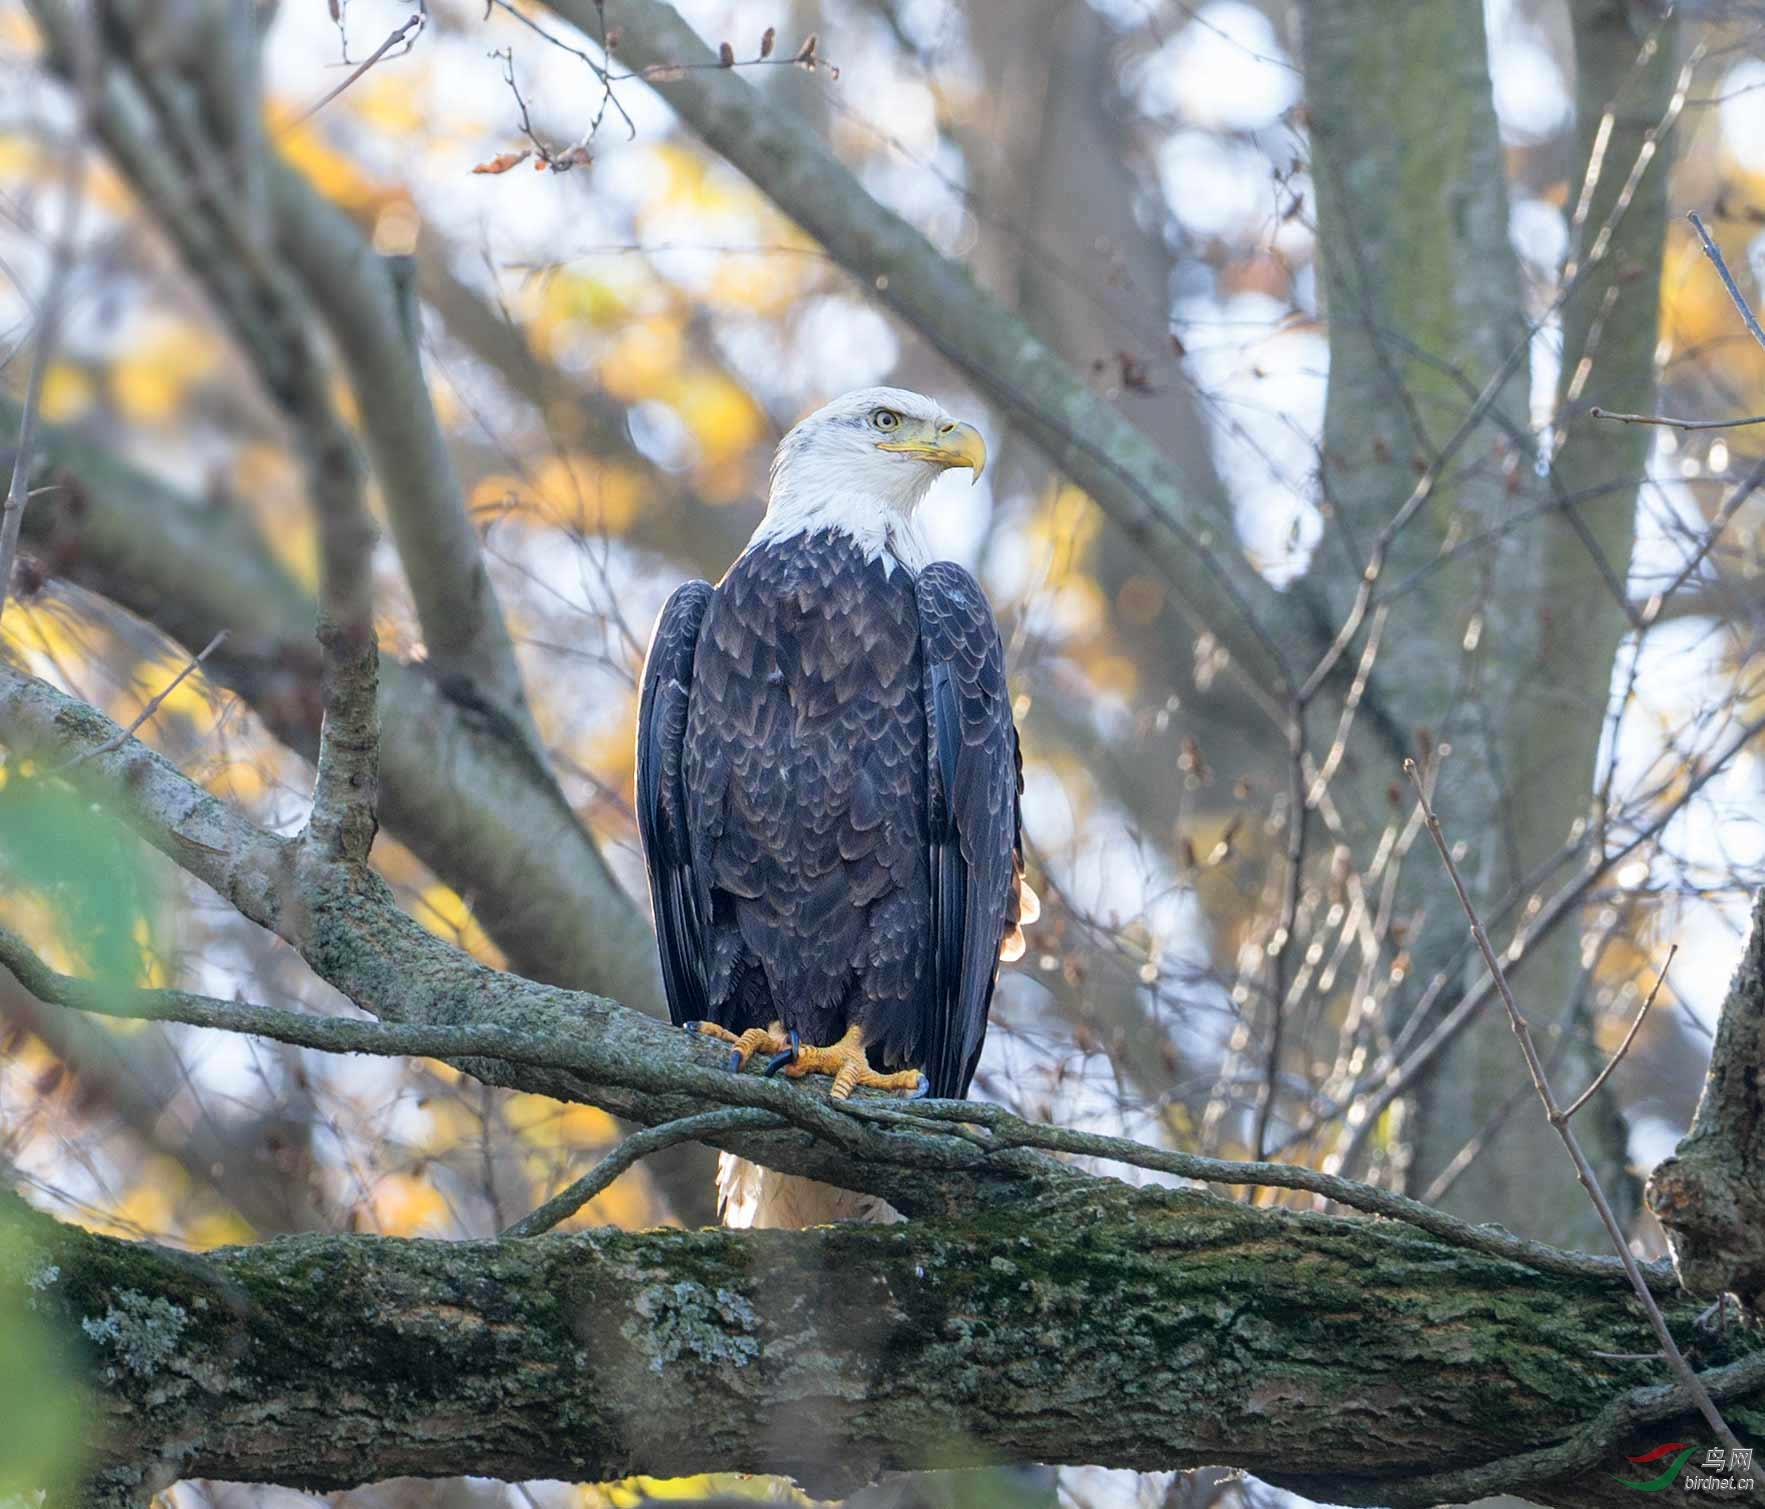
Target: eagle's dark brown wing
point(662, 803)
point(974, 780)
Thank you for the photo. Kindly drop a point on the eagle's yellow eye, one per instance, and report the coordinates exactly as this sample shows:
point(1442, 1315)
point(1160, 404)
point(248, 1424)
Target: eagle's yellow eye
point(886, 419)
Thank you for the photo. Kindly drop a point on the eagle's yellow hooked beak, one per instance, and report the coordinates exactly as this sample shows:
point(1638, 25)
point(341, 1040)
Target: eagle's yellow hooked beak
point(945, 445)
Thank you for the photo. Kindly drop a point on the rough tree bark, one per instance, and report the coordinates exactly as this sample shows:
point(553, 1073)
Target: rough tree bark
point(1711, 1194)
point(1351, 1360)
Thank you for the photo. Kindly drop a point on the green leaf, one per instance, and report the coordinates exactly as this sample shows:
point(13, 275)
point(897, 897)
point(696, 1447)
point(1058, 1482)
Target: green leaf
point(93, 877)
point(40, 1414)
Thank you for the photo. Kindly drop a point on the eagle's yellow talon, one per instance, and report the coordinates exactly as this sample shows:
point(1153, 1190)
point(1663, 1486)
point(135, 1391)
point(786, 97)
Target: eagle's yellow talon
point(771, 1039)
point(850, 1067)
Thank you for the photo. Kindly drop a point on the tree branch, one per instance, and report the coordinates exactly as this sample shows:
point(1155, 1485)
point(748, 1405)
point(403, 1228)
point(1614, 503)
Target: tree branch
point(1215, 1332)
point(461, 794)
point(1102, 452)
point(369, 306)
point(437, 1001)
point(1710, 1195)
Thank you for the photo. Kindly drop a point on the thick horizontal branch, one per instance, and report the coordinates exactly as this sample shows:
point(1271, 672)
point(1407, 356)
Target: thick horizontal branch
point(1131, 1328)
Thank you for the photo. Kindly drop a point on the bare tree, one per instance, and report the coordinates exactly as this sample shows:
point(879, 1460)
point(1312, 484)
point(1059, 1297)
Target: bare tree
point(1470, 581)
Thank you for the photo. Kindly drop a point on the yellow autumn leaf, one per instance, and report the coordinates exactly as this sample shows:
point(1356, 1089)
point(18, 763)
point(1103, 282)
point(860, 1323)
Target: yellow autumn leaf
point(237, 781)
point(582, 492)
point(68, 392)
point(444, 912)
point(642, 359)
point(759, 284)
point(731, 480)
point(566, 299)
point(1113, 675)
point(686, 183)
point(545, 1123)
point(450, 1123)
point(725, 421)
point(154, 975)
point(406, 1206)
point(222, 1228)
point(391, 101)
point(151, 380)
point(338, 177)
point(154, 677)
point(18, 33)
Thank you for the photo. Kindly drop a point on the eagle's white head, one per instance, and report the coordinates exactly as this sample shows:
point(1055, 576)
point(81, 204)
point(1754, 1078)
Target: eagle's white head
point(862, 464)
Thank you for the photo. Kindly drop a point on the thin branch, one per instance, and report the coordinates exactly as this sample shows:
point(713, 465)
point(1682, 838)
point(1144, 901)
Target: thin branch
point(1629, 1038)
point(840, 1123)
point(1392, 1076)
point(1676, 424)
point(406, 34)
point(1282, 945)
point(54, 309)
point(1714, 253)
point(637, 1146)
point(1559, 1119)
point(1730, 506)
point(115, 741)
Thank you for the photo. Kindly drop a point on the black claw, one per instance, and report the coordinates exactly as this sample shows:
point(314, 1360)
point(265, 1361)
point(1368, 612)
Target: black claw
point(735, 1060)
point(925, 1087)
point(691, 1027)
point(779, 1060)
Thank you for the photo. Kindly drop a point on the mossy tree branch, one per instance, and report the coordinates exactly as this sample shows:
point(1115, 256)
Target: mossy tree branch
point(1346, 1359)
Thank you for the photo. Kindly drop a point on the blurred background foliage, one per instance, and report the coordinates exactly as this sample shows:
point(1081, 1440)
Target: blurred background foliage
point(613, 351)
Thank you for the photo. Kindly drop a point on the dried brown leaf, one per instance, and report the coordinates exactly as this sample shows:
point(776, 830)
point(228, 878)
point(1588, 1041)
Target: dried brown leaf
point(503, 161)
point(726, 55)
point(768, 41)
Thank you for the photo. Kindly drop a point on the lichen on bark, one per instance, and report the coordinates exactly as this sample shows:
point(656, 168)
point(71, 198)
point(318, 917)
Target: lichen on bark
point(1143, 1328)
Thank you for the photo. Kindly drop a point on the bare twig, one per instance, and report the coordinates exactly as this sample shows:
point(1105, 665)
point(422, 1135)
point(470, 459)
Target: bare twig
point(1730, 506)
point(1629, 1038)
point(1676, 424)
point(1392, 1076)
point(1714, 253)
point(115, 741)
point(49, 319)
point(1560, 1120)
point(406, 34)
point(1282, 945)
point(638, 1145)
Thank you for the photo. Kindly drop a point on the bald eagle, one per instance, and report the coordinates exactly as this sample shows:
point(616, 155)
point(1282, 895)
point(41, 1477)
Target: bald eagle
point(828, 773)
